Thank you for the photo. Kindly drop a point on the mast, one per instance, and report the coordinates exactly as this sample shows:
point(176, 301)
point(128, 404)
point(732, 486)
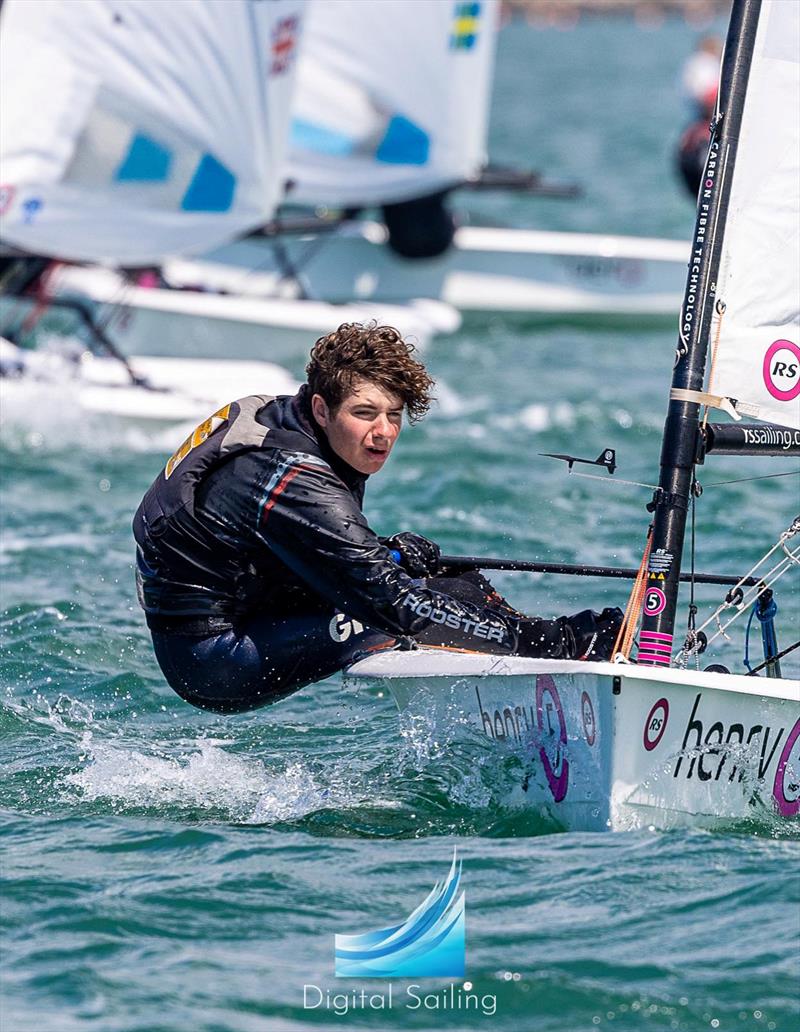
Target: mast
point(680, 441)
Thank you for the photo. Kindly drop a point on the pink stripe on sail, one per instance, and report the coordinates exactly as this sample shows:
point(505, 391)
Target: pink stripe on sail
point(655, 636)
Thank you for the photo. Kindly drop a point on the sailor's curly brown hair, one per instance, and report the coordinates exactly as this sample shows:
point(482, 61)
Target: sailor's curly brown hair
point(369, 352)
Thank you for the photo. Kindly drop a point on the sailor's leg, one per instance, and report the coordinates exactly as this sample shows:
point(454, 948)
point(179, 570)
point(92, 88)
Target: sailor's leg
point(262, 661)
point(471, 586)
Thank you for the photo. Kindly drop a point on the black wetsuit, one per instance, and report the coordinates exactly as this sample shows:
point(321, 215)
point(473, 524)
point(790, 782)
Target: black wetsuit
point(259, 573)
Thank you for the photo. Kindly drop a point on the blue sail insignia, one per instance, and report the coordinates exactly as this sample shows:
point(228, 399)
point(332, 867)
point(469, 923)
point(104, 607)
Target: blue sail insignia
point(212, 188)
point(309, 136)
point(403, 143)
point(146, 161)
point(429, 943)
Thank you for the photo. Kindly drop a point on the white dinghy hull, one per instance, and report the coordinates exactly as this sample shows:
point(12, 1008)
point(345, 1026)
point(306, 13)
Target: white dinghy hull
point(45, 385)
point(516, 272)
point(614, 747)
point(194, 324)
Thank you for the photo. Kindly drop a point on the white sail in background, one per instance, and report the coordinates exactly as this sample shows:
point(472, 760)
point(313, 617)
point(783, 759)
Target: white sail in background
point(133, 129)
point(758, 358)
point(391, 100)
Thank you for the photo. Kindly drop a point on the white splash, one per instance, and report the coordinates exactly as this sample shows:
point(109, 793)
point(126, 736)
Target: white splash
point(208, 778)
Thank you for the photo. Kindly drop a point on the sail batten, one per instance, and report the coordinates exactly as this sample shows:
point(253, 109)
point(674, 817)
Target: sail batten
point(757, 360)
point(133, 130)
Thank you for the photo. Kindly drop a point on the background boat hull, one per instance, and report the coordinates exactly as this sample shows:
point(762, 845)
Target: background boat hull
point(516, 272)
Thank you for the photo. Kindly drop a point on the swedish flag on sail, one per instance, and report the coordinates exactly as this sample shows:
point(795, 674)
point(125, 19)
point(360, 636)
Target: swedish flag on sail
point(466, 18)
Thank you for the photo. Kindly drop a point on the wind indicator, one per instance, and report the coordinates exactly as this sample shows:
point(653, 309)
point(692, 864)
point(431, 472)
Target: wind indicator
point(606, 458)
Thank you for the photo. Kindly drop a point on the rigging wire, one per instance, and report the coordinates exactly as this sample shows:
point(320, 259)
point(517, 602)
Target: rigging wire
point(741, 605)
point(739, 600)
point(615, 480)
point(691, 643)
point(744, 480)
point(652, 487)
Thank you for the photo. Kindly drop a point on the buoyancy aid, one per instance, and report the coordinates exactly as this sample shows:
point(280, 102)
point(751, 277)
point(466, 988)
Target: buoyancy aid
point(185, 564)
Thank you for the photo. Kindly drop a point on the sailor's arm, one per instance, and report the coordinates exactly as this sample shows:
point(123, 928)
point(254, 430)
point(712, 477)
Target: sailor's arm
point(311, 522)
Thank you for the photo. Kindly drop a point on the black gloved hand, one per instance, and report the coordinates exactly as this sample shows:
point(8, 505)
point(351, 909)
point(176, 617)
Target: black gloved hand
point(544, 639)
point(595, 633)
point(419, 557)
point(586, 635)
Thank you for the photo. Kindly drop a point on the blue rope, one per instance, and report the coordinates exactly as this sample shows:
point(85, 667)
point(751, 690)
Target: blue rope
point(747, 636)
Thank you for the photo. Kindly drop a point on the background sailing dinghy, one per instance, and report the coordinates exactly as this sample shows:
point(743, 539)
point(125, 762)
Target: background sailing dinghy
point(369, 130)
point(514, 272)
point(185, 323)
point(131, 131)
point(49, 381)
point(654, 742)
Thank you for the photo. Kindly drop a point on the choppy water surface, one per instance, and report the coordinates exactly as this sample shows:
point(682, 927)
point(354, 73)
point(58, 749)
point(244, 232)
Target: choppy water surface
point(167, 869)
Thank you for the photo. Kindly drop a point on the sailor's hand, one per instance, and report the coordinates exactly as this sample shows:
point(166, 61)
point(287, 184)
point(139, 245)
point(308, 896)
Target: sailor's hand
point(419, 557)
point(594, 634)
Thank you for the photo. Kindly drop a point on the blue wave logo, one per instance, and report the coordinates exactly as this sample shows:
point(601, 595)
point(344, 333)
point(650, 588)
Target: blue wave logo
point(428, 944)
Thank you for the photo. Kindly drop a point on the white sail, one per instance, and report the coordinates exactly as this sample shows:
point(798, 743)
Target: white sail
point(132, 129)
point(392, 99)
point(758, 357)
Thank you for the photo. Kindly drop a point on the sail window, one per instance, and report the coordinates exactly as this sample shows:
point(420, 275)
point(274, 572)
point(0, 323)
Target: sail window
point(212, 187)
point(404, 143)
point(146, 161)
point(318, 138)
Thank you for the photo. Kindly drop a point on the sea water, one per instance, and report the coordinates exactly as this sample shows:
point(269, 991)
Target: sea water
point(166, 869)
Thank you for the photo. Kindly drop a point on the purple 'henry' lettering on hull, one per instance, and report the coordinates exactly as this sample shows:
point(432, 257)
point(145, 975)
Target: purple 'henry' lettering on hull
point(515, 722)
point(557, 772)
point(786, 806)
point(711, 749)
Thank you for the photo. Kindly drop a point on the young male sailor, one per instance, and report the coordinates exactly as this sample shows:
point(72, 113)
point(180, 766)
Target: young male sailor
point(257, 570)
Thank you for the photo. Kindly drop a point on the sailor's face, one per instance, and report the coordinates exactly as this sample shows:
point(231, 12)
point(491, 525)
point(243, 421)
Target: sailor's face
point(363, 429)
